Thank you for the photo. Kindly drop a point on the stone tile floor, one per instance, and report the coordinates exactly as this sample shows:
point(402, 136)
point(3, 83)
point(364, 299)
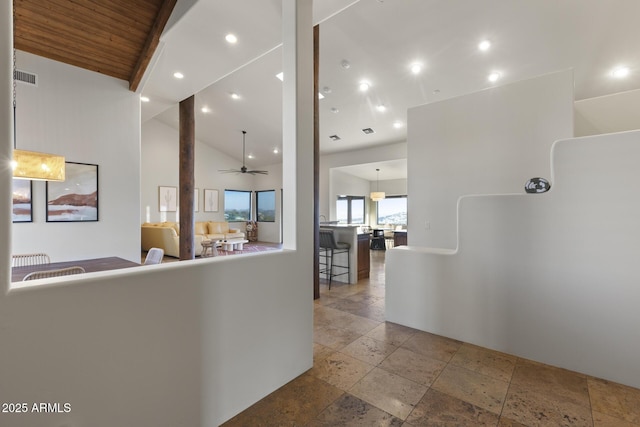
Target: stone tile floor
point(371, 373)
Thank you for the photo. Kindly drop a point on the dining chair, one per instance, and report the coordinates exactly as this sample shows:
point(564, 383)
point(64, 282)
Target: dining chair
point(154, 256)
point(23, 260)
point(388, 239)
point(54, 273)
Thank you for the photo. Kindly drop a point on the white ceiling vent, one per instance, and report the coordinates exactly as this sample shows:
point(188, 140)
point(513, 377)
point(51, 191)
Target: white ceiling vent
point(26, 77)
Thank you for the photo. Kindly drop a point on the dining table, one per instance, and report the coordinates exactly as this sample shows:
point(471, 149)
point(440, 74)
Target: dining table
point(89, 265)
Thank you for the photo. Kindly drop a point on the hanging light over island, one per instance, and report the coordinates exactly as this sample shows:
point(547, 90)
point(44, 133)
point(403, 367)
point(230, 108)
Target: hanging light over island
point(377, 195)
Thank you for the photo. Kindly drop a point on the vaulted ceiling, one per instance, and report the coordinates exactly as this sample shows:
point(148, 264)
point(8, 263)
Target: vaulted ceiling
point(379, 41)
point(115, 37)
point(376, 40)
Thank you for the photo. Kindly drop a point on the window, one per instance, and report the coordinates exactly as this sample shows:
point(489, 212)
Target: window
point(350, 209)
point(266, 206)
point(393, 210)
point(237, 205)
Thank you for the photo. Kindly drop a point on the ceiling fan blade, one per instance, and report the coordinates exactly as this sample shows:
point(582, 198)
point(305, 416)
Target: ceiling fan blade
point(243, 169)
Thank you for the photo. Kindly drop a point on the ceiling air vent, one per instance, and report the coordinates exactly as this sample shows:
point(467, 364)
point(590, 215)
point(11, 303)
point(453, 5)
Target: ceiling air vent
point(334, 137)
point(367, 130)
point(26, 77)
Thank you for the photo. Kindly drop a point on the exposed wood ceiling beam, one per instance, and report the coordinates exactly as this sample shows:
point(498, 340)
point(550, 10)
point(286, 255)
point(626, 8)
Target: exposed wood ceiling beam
point(116, 37)
point(151, 44)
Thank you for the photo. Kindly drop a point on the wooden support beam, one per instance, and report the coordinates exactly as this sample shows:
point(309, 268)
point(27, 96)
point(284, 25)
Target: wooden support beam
point(316, 164)
point(187, 177)
point(151, 44)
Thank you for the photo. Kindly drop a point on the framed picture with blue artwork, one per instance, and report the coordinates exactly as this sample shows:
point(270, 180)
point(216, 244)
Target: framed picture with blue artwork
point(22, 206)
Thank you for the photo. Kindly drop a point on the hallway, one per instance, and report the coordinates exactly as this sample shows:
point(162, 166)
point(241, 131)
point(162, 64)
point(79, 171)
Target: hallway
point(367, 372)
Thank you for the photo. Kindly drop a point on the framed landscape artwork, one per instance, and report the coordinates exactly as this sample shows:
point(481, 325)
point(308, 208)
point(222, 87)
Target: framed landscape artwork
point(210, 200)
point(167, 199)
point(76, 198)
point(22, 207)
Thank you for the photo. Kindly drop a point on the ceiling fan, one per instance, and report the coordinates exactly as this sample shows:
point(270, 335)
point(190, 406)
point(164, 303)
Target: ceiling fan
point(244, 169)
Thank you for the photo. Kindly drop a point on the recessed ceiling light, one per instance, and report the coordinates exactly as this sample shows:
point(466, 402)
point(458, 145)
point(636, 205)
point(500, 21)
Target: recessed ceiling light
point(620, 72)
point(484, 45)
point(416, 68)
point(231, 38)
point(364, 86)
point(234, 95)
point(144, 99)
point(205, 109)
point(397, 124)
point(320, 96)
point(345, 64)
point(280, 76)
point(334, 137)
point(276, 151)
point(368, 131)
point(178, 75)
point(250, 156)
point(334, 110)
point(381, 108)
point(494, 77)
point(436, 91)
point(326, 89)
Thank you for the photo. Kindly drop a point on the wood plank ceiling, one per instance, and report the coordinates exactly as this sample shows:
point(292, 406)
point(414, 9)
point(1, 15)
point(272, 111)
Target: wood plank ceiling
point(115, 37)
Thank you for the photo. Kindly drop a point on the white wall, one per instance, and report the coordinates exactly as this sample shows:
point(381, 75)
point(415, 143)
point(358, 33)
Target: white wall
point(345, 184)
point(88, 118)
point(607, 114)
point(160, 153)
point(491, 141)
point(6, 147)
point(391, 187)
point(271, 231)
point(341, 183)
point(551, 277)
point(347, 158)
point(189, 343)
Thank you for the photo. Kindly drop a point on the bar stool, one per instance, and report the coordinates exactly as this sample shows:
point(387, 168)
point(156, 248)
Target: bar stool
point(328, 248)
point(377, 240)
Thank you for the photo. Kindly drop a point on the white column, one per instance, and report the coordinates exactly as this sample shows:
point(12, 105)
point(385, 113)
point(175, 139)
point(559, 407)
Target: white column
point(297, 116)
point(6, 139)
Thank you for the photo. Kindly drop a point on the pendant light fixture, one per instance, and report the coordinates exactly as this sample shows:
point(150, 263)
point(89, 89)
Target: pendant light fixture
point(377, 195)
point(30, 164)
